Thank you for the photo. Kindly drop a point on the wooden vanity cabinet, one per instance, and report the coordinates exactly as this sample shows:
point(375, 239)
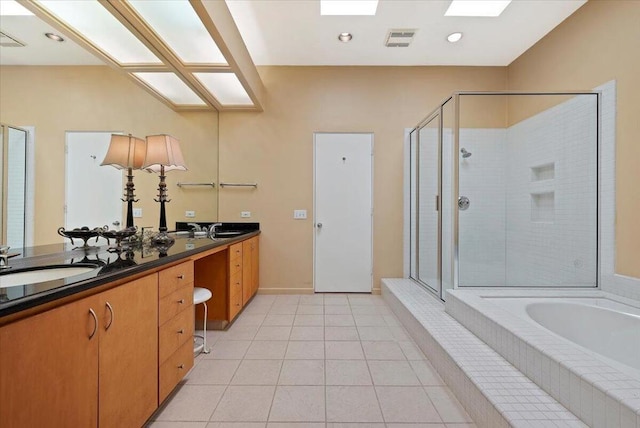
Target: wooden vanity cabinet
point(49, 368)
point(175, 326)
point(249, 269)
point(92, 362)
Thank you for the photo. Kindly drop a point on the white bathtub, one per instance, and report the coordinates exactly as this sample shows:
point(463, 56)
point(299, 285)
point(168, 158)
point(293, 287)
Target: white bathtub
point(582, 347)
point(602, 326)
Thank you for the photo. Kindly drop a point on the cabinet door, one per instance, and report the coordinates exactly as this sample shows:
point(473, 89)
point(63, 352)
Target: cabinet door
point(129, 353)
point(49, 368)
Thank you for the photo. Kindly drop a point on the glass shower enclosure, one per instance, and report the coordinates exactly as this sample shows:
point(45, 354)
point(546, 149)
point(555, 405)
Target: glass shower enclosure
point(504, 191)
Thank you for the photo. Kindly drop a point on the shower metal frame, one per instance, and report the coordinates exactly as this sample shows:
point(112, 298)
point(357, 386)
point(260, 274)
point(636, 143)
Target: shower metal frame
point(455, 182)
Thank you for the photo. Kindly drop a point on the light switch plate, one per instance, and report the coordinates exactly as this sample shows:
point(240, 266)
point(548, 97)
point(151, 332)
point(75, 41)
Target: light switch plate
point(299, 214)
point(190, 214)
point(245, 214)
point(137, 212)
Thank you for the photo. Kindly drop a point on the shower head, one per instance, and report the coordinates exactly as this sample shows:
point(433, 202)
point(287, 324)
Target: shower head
point(465, 153)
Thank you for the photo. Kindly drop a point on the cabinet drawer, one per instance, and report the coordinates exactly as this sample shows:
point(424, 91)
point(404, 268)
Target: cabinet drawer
point(173, 278)
point(174, 369)
point(175, 303)
point(175, 332)
point(235, 304)
point(235, 283)
point(235, 265)
point(235, 251)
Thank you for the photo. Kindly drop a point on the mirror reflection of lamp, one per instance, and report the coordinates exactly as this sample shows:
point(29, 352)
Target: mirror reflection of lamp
point(126, 152)
point(163, 154)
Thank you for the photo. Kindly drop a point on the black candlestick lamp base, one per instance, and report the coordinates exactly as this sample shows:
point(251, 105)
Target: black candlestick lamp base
point(162, 238)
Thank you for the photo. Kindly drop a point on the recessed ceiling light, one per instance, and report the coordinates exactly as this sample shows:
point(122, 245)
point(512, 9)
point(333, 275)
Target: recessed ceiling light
point(476, 7)
point(345, 37)
point(55, 37)
point(454, 37)
point(348, 7)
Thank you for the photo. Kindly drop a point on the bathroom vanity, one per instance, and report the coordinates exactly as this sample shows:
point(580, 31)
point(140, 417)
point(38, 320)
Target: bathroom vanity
point(107, 349)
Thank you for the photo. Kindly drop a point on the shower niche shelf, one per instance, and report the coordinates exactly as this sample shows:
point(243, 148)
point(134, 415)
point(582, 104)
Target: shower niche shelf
point(543, 172)
point(543, 207)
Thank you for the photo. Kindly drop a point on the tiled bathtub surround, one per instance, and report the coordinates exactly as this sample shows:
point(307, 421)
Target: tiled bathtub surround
point(494, 392)
point(593, 390)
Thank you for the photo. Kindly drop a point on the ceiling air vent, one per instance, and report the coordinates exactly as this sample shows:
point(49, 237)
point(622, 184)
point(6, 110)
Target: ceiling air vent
point(399, 38)
point(7, 41)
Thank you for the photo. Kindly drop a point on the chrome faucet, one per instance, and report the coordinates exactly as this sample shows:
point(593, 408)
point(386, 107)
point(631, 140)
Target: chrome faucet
point(212, 229)
point(4, 257)
point(196, 227)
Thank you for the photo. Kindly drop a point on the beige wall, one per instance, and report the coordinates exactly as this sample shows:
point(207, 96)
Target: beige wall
point(597, 44)
point(59, 99)
point(275, 149)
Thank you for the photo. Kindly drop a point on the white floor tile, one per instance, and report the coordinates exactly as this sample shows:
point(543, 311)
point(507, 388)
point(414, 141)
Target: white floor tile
point(375, 333)
point(278, 320)
point(406, 404)
point(309, 320)
point(310, 309)
point(352, 404)
point(212, 372)
point(338, 320)
point(257, 372)
point(307, 333)
point(347, 373)
point(273, 333)
point(191, 403)
point(305, 350)
point(426, 373)
point(302, 372)
point(298, 404)
point(266, 350)
point(382, 350)
point(341, 333)
point(392, 373)
point(244, 403)
point(448, 407)
point(343, 350)
point(337, 309)
point(229, 350)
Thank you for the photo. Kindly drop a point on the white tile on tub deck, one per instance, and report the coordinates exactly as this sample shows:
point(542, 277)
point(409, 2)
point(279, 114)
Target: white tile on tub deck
point(448, 407)
point(599, 409)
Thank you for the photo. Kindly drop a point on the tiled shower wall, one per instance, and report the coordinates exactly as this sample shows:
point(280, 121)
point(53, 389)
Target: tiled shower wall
point(532, 218)
point(551, 196)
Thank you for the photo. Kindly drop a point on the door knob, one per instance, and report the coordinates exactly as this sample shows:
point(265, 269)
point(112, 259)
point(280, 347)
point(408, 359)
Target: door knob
point(116, 223)
point(319, 225)
point(463, 203)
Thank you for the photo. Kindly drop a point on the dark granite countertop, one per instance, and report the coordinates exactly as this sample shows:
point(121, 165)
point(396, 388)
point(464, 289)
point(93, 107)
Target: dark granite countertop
point(112, 266)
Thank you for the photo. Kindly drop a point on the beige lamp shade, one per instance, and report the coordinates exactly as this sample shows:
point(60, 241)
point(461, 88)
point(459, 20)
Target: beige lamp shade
point(125, 151)
point(163, 150)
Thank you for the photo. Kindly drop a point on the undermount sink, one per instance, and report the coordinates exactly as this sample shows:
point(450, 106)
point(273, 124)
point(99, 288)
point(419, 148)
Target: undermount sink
point(26, 276)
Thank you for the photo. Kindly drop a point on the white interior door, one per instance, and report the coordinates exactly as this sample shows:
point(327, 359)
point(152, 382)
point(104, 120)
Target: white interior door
point(343, 212)
point(93, 192)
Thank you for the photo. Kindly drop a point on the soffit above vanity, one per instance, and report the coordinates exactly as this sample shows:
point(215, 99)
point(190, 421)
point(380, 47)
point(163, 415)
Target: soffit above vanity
point(188, 54)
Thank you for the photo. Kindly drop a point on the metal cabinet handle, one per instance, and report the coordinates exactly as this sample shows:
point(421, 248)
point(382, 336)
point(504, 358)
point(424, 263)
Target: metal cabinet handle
point(237, 265)
point(181, 366)
point(95, 323)
point(181, 276)
point(181, 301)
point(463, 203)
point(108, 305)
point(181, 331)
point(319, 225)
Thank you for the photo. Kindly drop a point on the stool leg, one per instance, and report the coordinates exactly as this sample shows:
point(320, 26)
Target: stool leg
point(204, 327)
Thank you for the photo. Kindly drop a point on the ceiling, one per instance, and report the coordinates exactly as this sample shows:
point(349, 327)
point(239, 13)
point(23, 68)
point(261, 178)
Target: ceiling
point(292, 32)
point(200, 54)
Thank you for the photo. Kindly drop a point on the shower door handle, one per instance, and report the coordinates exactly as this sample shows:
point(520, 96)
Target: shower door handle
point(463, 203)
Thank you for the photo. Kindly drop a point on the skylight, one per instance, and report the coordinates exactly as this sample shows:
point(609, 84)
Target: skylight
point(13, 8)
point(171, 87)
point(225, 87)
point(178, 25)
point(477, 7)
point(102, 29)
point(348, 7)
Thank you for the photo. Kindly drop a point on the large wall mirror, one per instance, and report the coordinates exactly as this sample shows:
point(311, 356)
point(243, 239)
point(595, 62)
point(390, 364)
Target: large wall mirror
point(55, 102)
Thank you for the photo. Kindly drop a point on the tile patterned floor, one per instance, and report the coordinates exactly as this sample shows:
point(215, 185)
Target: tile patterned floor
point(335, 361)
